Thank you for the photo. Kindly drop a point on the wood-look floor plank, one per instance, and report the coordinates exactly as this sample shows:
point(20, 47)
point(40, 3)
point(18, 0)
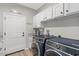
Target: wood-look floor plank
point(27, 52)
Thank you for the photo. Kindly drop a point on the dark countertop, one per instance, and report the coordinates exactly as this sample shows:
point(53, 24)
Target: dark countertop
point(67, 41)
point(62, 40)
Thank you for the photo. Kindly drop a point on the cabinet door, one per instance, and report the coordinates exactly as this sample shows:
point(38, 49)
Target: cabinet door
point(58, 10)
point(74, 7)
point(71, 8)
point(48, 13)
point(43, 15)
point(34, 21)
point(66, 8)
point(37, 20)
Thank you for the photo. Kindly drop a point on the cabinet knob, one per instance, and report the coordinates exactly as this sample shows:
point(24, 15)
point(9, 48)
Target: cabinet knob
point(67, 11)
point(61, 12)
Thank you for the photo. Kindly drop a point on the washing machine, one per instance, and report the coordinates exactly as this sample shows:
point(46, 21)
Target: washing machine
point(54, 49)
point(39, 46)
point(41, 41)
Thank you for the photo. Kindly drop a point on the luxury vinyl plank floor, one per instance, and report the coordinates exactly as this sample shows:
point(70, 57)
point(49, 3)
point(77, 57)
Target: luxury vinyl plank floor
point(22, 53)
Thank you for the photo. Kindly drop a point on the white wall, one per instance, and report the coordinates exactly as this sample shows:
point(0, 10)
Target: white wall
point(46, 5)
point(1, 27)
point(28, 12)
point(68, 27)
point(67, 32)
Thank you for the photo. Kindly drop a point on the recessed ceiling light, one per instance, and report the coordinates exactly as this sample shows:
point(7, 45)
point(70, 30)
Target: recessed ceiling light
point(13, 10)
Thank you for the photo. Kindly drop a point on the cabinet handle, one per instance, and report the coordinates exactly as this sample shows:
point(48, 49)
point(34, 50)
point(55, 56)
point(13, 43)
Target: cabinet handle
point(67, 10)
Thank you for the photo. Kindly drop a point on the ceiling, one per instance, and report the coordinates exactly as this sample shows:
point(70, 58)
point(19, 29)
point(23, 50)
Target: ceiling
point(32, 5)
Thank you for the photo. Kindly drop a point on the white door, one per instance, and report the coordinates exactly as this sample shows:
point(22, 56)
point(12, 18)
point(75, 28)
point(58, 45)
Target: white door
point(71, 8)
point(74, 7)
point(14, 32)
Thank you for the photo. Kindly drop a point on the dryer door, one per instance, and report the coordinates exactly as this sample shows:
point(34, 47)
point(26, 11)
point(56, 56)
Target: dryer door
point(51, 52)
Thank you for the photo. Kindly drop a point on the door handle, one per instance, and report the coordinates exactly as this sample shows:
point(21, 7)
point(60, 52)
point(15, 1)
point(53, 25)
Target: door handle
point(23, 34)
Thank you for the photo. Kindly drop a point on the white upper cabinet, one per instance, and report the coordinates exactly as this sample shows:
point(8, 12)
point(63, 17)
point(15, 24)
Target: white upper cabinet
point(34, 21)
point(71, 8)
point(58, 10)
point(42, 16)
point(61, 9)
point(37, 20)
point(66, 8)
point(48, 13)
